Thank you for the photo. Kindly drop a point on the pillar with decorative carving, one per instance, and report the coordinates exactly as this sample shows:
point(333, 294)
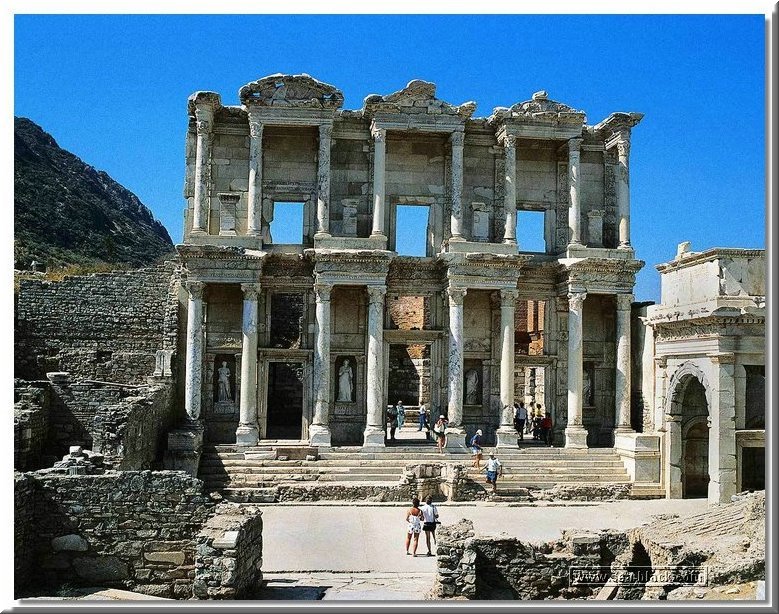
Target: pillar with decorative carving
point(622, 379)
point(507, 436)
point(204, 119)
point(458, 141)
point(379, 177)
point(574, 185)
point(374, 427)
point(254, 209)
point(575, 433)
point(455, 405)
point(623, 191)
point(510, 189)
point(194, 360)
point(323, 182)
point(319, 429)
point(247, 433)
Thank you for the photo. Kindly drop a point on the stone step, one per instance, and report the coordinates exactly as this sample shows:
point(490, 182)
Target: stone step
point(647, 491)
point(282, 471)
point(272, 479)
point(335, 463)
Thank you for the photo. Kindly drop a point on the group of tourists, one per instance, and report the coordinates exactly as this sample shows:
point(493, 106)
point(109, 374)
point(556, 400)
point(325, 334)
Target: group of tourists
point(532, 421)
point(421, 519)
point(396, 418)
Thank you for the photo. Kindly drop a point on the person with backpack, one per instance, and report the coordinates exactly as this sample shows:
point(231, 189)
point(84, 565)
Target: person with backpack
point(475, 445)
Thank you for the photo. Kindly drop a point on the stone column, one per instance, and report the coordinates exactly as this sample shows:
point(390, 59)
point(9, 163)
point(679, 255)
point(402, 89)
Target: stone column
point(574, 173)
point(254, 223)
point(319, 429)
point(722, 429)
point(623, 192)
point(575, 433)
point(374, 427)
point(458, 140)
point(204, 121)
point(247, 433)
point(379, 176)
point(622, 379)
point(323, 183)
point(194, 363)
point(507, 435)
point(455, 405)
point(510, 189)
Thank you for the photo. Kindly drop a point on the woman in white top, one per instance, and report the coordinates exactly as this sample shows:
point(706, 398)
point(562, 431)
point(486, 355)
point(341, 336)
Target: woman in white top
point(430, 517)
point(414, 520)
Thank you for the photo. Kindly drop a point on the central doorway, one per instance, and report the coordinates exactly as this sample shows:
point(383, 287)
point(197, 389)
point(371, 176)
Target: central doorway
point(285, 400)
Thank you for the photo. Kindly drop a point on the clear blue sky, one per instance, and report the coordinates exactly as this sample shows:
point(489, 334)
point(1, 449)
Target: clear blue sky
point(113, 90)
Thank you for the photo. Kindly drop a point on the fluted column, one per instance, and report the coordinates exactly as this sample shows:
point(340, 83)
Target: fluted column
point(507, 436)
point(455, 405)
point(254, 223)
point(204, 119)
point(379, 177)
point(623, 191)
point(575, 433)
point(319, 429)
point(374, 427)
point(510, 188)
point(622, 379)
point(247, 433)
point(458, 140)
point(323, 182)
point(194, 363)
point(574, 178)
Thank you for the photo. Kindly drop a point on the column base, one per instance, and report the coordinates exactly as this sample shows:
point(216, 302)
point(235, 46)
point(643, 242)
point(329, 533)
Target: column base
point(378, 235)
point(322, 235)
point(198, 231)
point(509, 241)
point(373, 437)
point(457, 238)
point(455, 437)
point(622, 430)
point(624, 246)
point(576, 437)
point(319, 435)
point(247, 435)
point(507, 437)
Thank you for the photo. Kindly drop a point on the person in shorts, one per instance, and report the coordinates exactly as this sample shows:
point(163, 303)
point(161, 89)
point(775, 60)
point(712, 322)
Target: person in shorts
point(494, 471)
point(414, 520)
point(430, 520)
point(475, 445)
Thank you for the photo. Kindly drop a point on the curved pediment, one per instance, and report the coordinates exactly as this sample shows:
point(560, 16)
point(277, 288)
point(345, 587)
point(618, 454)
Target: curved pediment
point(417, 95)
point(540, 107)
point(291, 91)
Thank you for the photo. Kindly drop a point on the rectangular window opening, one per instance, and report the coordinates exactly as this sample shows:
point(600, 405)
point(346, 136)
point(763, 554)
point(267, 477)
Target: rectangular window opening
point(286, 228)
point(530, 231)
point(412, 229)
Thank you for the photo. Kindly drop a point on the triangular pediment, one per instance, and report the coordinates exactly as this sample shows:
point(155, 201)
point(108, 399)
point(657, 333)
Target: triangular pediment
point(417, 97)
point(281, 90)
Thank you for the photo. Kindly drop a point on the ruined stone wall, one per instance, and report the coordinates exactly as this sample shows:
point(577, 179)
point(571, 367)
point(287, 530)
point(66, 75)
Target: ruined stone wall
point(105, 326)
point(132, 530)
point(32, 406)
point(24, 529)
point(350, 164)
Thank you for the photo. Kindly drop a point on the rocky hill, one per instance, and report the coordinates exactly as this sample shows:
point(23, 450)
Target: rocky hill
point(68, 213)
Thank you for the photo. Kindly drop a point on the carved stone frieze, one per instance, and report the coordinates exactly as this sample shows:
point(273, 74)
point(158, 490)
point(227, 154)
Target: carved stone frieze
point(302, 91)
point(417, 94)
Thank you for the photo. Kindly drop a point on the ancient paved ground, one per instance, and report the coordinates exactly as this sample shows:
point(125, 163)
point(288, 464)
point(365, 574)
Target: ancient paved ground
point(338, 551)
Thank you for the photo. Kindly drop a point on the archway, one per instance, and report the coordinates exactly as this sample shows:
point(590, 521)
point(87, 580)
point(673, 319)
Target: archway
point(690, 407)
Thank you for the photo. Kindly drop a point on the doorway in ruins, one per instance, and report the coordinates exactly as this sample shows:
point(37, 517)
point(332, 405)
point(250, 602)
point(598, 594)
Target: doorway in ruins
point(691, 399)
point(285, 400)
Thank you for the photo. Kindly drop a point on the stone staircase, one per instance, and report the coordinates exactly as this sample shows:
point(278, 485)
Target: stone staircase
point(253, 473)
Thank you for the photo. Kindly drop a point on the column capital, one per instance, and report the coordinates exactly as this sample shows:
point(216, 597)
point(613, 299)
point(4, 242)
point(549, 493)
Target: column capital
point(457, 139)
point(722, 359)
point(456, 295)
point(376, 294)
point(379, 134)
point(323, 292)
point(509, 141)
point(255, 126)
point(574, 145)
point(325, 131)
point(624, 302)
point(508, 297)
point(623, 146)
point(204, 118)
point(195, 289)
point(250, 291)
point(576, 300)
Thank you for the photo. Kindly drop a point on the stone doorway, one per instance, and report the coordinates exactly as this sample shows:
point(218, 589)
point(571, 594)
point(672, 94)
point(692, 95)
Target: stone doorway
point(695, 467)
point(409, 381)
point(285, 400)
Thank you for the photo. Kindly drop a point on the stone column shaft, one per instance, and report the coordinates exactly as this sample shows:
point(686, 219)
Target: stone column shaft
point(623, 192)
point(319, 429)
point(323, 182)
point(379, 177)
point(507, 436)
point(510, 189)
point(374, 429)
point(622, 379)
point(247, 433)
point(458, 140)
point(204, 121)
point(575, 433)
point(254, 223)
point(194, 360)
point(574, 175)
point(455, 405)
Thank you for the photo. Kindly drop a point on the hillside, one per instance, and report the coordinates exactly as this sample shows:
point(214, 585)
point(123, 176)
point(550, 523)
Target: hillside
point(66, 212)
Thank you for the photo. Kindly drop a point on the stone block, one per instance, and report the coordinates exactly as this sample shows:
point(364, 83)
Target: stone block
point(176, 558)
point(228, 540)
point(72, 542)
point(101, 569)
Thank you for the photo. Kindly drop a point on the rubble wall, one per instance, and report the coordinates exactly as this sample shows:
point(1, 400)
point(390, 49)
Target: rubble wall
point(32, 406)
point(24, 525)
point(104, 326)
point(131, 530)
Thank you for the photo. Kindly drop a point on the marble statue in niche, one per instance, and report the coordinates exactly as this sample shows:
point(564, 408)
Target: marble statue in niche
point(345, 382)
point(224, 384)
point(587, 385)
point(224, 394)
point(472, 387)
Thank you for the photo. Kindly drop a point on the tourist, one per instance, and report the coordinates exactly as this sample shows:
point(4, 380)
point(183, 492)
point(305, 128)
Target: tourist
point(439, 429)
point(414, 520)
point(392, 420)
point(520, 417)
point(430, 518)
point(475, 446)
point(401, 414)
point(537, 424)
point(422, 416)
point(494, 471)
point(546, 430)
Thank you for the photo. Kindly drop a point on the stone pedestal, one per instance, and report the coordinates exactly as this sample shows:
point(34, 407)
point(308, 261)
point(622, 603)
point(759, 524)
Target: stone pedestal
point(185, 446)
